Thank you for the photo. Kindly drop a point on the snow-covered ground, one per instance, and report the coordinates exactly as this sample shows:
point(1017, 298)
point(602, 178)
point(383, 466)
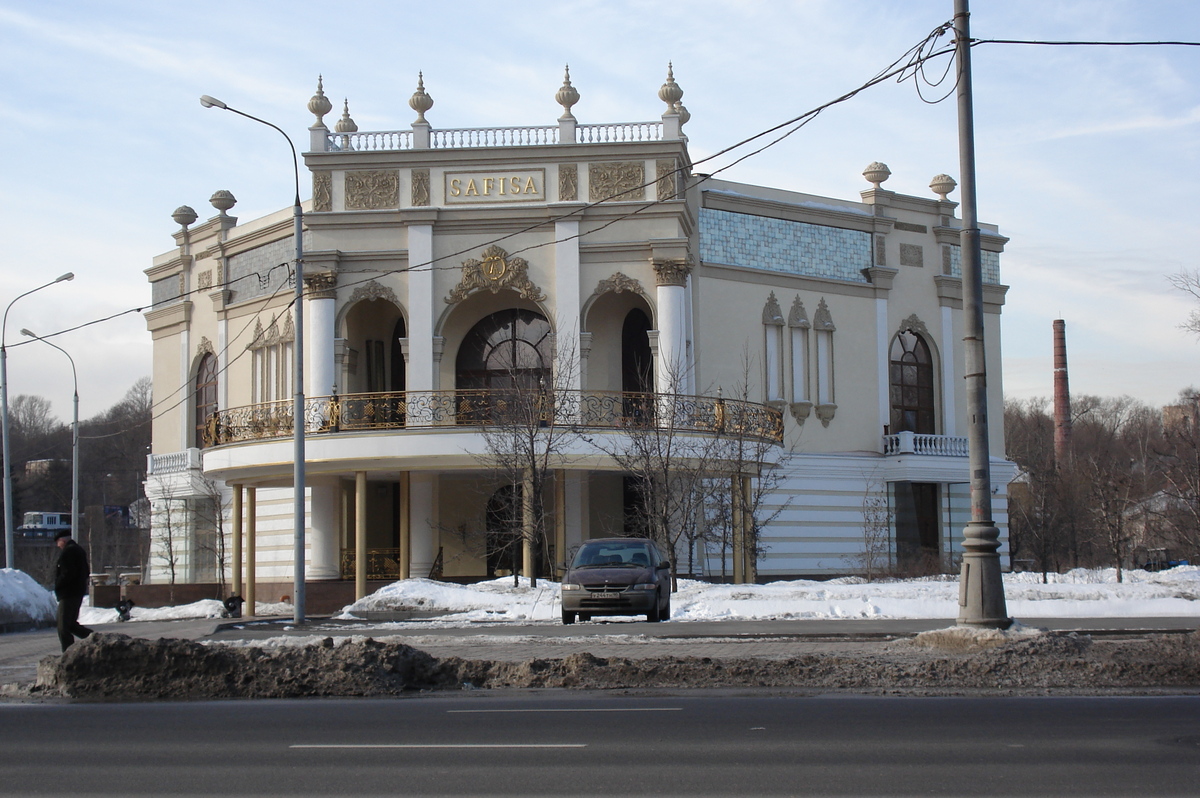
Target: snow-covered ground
point(1075, 594)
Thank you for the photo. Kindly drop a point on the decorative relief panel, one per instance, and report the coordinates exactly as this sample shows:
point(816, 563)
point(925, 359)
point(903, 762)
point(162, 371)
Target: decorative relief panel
point(797, 317)
point(912, 255)
point(204, 280)
point(617, 181)
point(420, 188)
point(667, 179)
point(771, 313)
point(619, 283)
point(880, 251)
point(914, 324)
point(911, 228)
point(371, 291)
point(497, 270)
point(205, 347)
point(823, 319)
point(372, 189)
point(568, 182)
point(273, 336)
point(322, 191)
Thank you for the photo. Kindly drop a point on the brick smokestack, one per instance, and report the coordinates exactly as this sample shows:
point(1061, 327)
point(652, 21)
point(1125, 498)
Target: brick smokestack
point(1062, 396)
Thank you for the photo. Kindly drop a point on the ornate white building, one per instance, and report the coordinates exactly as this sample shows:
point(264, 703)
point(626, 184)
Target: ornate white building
point(444, 267)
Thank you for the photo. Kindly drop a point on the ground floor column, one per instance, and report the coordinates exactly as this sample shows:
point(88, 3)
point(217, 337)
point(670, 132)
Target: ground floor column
point(422, 522)
point(736, 527)
point(749, 542)
point(323, 529)
point(560, 522)
point(527, 524)
point(360, 534)
point(251, 548)
point(405, 527)
point(236, 554)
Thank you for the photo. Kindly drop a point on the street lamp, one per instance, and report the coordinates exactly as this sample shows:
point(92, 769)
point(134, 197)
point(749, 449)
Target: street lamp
point(298, 369)
point(74, 439)
point(9, 554)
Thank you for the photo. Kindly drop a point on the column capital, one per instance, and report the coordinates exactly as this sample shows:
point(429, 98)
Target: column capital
point(672, 271)
point(321, 286)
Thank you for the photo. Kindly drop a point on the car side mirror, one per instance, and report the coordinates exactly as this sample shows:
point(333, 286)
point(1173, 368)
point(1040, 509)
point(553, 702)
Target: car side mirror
point(665, 564)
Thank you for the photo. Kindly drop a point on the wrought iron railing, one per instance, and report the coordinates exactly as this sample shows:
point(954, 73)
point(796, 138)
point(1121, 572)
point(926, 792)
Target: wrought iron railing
point(422, 410)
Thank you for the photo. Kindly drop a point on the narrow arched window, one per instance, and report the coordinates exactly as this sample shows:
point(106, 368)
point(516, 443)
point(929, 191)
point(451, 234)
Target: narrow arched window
point(911, 370)
point(205, 396)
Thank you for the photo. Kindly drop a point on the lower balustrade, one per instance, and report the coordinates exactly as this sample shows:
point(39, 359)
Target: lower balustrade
point(921, 444)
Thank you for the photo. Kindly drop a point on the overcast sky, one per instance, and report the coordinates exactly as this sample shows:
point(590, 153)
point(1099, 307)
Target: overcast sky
point(1086, 156)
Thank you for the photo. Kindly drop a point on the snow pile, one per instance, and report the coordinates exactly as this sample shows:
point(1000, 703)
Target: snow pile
point(205, 608)
point(23, 600)
point(1079, 593)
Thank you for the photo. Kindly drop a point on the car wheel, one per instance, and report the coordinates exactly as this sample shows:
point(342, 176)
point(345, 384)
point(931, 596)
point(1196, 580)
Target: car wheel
point(568, 617)
point(653, 615)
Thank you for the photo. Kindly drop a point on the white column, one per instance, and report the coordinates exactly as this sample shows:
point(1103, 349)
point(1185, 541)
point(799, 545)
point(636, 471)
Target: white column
point(883, 366)
point(420, 308)
point(949, 383)
point(422, 521)
point(671, 365)
point(319, 334)
point(567, 300)
point(323, 550)
point(575, 495)
point(186, 411)
point(774, 335)
point(222, 363)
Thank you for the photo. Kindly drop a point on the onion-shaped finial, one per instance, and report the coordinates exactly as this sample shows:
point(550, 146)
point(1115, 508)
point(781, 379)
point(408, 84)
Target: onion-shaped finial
point(567, 96)
point(346, 124)
point(420, 101)
point(670, 93)
point(319, 105)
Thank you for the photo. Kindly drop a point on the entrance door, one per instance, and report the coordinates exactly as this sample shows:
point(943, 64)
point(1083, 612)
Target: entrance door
point(918, 528)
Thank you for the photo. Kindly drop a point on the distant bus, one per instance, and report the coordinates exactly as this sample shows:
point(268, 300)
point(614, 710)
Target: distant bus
point(44, 526)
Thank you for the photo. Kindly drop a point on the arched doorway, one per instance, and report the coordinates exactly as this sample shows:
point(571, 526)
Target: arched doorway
point(504, 358)
point(911, 378)
point(637, 368)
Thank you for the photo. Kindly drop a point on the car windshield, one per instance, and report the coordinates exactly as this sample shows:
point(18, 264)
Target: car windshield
point(612, 555)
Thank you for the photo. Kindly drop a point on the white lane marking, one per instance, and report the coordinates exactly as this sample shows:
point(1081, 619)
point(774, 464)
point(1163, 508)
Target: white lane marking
point(615, 709)
point(445, 745)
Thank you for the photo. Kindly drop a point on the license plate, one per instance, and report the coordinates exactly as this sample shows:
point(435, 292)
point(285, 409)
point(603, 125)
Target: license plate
point(606, 595)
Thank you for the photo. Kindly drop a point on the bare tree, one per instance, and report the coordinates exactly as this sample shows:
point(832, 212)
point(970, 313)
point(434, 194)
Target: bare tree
point(531, 424)
point(875, 559)
point(1188, 281)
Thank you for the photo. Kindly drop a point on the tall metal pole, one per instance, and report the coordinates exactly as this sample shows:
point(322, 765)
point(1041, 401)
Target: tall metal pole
point(74, 442)
point(981, 586)
point(9, 552)
point(298, 484)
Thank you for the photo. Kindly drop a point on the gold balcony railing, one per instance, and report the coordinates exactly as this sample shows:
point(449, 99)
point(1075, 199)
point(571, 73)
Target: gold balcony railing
point(422, 410)
point(381, 563)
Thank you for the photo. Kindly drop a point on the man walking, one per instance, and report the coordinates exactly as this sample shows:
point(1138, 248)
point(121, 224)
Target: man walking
point(70, 586)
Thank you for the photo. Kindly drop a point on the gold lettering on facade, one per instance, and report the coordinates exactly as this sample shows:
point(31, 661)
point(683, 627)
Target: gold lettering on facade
point(520, 186)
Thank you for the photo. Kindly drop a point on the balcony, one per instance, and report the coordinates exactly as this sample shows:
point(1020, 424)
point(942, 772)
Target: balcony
point(459, 138)
point(929, 445)
point(425, 411)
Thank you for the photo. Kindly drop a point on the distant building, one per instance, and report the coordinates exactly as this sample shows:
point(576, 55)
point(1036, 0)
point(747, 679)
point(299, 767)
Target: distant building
point(441, 263)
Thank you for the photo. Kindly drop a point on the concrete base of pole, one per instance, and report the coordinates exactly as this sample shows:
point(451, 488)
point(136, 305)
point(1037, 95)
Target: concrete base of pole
point(981, 585)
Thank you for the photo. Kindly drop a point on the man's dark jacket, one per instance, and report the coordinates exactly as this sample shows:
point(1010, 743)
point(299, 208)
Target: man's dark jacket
point(71, 572)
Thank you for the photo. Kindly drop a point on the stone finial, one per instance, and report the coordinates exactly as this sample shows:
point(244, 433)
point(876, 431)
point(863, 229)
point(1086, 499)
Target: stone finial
point(346, 124)
point(420, 101)
point(567, 95)
point(684, 114)
point(222, 200)
point(942, 185)
point(184, 215)
point(877, 173)
point(670, 93)
point(319, 105)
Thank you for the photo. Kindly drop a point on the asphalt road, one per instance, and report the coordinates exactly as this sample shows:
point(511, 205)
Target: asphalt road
point(570, 743)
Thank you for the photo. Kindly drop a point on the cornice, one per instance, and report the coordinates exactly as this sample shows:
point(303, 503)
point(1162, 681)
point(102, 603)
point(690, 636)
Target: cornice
point(178, 313)
point(173, 266)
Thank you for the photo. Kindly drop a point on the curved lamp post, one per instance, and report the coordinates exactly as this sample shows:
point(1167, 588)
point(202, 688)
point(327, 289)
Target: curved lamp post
point(298, 369)
point(10, 559)
point(74, 439)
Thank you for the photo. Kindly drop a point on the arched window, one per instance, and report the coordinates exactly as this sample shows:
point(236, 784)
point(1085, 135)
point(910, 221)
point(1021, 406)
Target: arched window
point(206, 395)
point(911, 385)
point(509, 349)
